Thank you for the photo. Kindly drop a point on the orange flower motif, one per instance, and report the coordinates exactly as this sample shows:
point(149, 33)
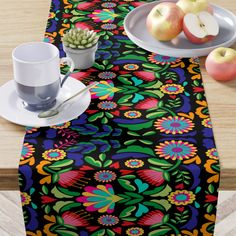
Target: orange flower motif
point(202, 110)
point(207, 227)
point(48, 178)
point(188, 233)
point(195, 71)
point(38, 233)
point(47, 227)
point(63, 29)
point(209, 169)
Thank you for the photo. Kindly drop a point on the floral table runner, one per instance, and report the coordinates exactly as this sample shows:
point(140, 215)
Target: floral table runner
point(141, 160)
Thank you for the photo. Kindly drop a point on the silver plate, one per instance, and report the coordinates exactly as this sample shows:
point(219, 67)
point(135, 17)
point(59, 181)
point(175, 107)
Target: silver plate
point(135, 27)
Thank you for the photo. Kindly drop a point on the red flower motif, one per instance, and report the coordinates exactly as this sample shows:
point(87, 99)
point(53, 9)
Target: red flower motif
point(137, 4)
point(147, 103)
point(85, 5)
point(68, 178)
point(83, 25)
point(151, 176)
point(198, 89)
point(47, 199)
point(152, 218)
point(145, 75)
point(210, 198)
point(71, 218)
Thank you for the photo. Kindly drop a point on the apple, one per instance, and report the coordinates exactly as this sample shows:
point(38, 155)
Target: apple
point(165, 21)
point(201, 27)
point(194, 6)
point(221, 64)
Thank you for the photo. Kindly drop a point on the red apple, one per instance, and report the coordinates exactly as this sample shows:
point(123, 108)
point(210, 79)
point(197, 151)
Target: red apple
point(165, 21)
point(221, 64)
point(194, 6)
point(201, 27)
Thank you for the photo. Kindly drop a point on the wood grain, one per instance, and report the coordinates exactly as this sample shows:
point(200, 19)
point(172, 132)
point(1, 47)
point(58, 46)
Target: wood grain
point(24, 21)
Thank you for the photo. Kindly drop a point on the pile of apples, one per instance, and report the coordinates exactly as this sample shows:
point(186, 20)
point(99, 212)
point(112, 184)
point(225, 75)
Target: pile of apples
point(196, 19)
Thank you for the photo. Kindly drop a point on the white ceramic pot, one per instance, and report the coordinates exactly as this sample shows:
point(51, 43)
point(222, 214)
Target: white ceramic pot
point(82, 58)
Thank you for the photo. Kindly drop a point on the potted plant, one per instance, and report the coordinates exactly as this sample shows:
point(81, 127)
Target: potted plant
point(80, 45)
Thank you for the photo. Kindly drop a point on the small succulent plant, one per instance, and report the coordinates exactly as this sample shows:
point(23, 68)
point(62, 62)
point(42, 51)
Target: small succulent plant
point(80, 38)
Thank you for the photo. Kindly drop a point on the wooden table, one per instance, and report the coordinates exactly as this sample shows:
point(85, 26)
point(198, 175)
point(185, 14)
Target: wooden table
point(24, 21)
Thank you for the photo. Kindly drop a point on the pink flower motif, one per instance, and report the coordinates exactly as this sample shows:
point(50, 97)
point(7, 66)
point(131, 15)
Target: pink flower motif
point(101, 198)
point(85, 5)
point(151, 176)
point(104, 15)
point(145, 75)
point(47, 199)
point(146, 104)
point(71, 218)
point(83, 25)
point(70, 177)
point(152, 218)
point(105, 90)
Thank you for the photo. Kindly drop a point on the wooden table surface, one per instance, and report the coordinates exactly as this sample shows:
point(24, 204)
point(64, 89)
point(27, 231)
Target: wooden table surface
point(25, 21)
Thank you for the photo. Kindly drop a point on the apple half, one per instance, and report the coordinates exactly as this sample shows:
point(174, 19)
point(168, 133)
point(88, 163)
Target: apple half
point(201, 27)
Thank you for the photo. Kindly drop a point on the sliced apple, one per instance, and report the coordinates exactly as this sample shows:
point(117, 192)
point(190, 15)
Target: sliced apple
point(201, 27)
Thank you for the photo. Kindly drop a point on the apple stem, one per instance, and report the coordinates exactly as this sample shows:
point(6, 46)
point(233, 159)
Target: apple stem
point(158, 12)
point(223, 53)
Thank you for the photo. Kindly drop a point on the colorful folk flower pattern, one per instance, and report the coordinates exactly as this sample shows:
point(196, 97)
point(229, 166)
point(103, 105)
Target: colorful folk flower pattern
point(207, 123)
point(132, 114)
point(135, 231)
point(141, 160)
point(174, 125)
point(160, 59)
point(105, 176)
point(100, 198)
point(25, 198)
point(107, 105)
point(108, 220)
point(104, 90)
point(54, 154)
point(172, 89)
point(212, 153)
point(176, 150)
point(134, 163)
point(27, 151)
point(181, 197)
point(62, 125)
point(131, 67)
point(104, 15)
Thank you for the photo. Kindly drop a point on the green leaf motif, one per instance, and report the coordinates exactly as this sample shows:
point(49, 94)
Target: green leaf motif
point(135, 127)
point(124, 99)
point(96, 116)
point(161, 163)
point(47, 209)
point(102, 157)
point(159, 232)
point(61, 164)
point(65, 232)
point(127, 211)
point(92, 161)
point(55, 178)
point(101, 232)
point(156, 114)
point(126, 184)
point(139, 149)
point(165, 192)
point(44, 189)
point(59, 220)
point(110, 233)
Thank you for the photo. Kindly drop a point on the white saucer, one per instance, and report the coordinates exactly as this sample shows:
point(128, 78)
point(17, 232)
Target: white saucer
point(12, 109)
point(135, 27)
